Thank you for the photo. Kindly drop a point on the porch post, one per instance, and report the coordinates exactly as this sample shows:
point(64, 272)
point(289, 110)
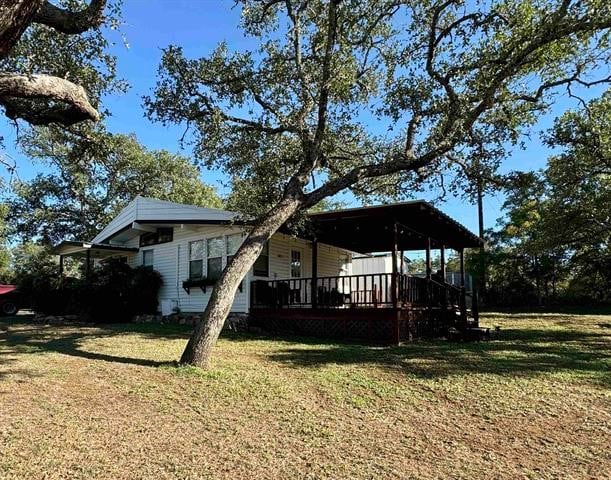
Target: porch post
point(442, 260)
point(402, 261)
point(88, 263)
point(314, 293)
point(461, 254)
point(428, 259)
point(463, 292)
point(393, 278)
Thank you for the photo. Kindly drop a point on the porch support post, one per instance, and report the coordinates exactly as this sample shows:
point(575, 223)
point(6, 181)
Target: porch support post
point(403, 261)
point(461, 254)
point(463, 292)
point(428, 259)
point(314, 287)
point(87, 263)
point(393, 278)
point(442, 260)
point(442, 271)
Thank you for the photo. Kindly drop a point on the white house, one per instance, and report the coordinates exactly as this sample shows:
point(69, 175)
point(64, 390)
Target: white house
point(309, 285)
point(185, 242)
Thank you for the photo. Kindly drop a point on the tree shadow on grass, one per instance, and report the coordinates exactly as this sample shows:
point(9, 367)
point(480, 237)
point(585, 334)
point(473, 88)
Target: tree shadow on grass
point(25, 337)
point(516, 352)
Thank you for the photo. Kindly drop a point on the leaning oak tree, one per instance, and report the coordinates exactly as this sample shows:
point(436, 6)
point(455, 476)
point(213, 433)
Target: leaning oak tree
point(39, 98)
point(372, 96)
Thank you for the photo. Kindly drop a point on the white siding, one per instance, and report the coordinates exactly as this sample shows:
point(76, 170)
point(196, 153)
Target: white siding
point(364, 265)
point(171, 260)
point(125, 217)
point(280, 251)
point(146, 209)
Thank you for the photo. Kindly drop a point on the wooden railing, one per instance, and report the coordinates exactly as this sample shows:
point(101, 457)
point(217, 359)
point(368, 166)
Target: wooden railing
point(368, 290)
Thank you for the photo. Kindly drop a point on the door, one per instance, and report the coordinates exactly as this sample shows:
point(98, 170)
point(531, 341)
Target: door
point(296, 271)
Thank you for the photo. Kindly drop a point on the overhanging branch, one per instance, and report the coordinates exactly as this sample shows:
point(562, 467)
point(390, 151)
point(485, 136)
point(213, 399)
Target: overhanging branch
point(68, 22)
point(69, 102)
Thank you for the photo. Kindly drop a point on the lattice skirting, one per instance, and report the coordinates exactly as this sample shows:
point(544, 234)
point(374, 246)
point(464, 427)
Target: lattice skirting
point(377, 326)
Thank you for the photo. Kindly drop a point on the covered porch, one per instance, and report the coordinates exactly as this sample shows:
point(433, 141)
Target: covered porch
point(89, 253)
point(384, 307)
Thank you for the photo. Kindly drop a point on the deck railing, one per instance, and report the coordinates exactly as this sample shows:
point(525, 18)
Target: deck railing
point(366, 290)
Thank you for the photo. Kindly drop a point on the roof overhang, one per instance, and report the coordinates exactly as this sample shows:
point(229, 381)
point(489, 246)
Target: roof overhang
point(371, 229)
point(70, 248)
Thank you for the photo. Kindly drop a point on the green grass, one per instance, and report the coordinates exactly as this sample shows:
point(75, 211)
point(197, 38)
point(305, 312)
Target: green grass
point(110, 402)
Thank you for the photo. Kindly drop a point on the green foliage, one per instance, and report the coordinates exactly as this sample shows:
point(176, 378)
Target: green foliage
point(556, 236)
point(114, 292)
point(92, 178)
point(451, 83)
point(84, 59)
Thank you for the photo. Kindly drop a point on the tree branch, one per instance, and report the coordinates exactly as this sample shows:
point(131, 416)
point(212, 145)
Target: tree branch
point(68, 22)
point(73, 104)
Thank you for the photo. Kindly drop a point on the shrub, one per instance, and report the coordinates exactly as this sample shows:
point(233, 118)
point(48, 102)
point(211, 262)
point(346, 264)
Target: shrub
point(114, 292)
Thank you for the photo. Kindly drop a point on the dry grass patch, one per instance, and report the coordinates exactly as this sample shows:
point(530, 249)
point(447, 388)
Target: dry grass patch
point(85, 402)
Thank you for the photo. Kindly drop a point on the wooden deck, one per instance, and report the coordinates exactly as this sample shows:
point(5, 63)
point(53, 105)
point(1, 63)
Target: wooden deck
point(381, 308)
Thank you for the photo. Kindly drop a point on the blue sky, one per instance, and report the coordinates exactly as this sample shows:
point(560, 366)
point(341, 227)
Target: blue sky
point(198, 26)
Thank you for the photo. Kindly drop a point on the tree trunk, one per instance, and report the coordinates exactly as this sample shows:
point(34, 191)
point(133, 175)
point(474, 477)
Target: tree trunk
point(207, 331)
point(15, 17)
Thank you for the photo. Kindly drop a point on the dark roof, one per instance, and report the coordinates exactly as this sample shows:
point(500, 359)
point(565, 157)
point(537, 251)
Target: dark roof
point(370, 229)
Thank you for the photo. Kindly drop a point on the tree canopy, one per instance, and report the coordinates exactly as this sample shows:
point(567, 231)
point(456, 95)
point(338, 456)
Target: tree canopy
point(555, 238)
point(374, 96)
point(307, 101)
point(91, 178)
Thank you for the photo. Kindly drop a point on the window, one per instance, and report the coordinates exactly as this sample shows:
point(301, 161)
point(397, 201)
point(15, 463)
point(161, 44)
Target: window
point(295, 263)
point(215, 249)
point(261, 265)
point(147, 258)
point(233, 243)
point(196, 260)
point(162, 235)
point(165, 235)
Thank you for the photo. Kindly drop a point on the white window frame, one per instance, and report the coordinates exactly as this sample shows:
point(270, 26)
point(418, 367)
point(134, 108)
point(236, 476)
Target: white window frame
point(205, 252)
point(152, 252)
point(203, 257)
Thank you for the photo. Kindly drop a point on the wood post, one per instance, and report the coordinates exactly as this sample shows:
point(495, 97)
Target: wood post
point(314, 273)
point(61, 267)
point(461, 254)
point(442, 271)
point(429, 268)
point(87, 263)
point(393, 279)
point(442, 261)
point(463, 292)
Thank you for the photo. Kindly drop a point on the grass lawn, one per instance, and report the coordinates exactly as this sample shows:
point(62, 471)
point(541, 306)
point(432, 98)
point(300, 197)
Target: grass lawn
point(85, 402)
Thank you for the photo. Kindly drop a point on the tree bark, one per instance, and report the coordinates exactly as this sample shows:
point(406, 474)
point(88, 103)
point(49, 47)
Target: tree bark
point(199, 348)
point(15, 17)
point(75, 108)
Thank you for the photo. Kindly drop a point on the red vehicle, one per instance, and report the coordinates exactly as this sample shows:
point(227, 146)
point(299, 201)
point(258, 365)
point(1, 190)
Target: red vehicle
point(9, 300)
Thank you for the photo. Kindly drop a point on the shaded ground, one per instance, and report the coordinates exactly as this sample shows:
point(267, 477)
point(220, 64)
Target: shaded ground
point(84, 402)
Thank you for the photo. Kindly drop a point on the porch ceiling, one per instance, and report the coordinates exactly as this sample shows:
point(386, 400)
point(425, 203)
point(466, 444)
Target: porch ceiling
point(370, 229)
point(97, 250)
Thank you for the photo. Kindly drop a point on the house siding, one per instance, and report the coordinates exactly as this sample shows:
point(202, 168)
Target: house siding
point(172, 262)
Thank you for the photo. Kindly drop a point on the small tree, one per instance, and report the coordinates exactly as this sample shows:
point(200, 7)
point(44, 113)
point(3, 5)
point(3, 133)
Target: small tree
point(295, 118)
